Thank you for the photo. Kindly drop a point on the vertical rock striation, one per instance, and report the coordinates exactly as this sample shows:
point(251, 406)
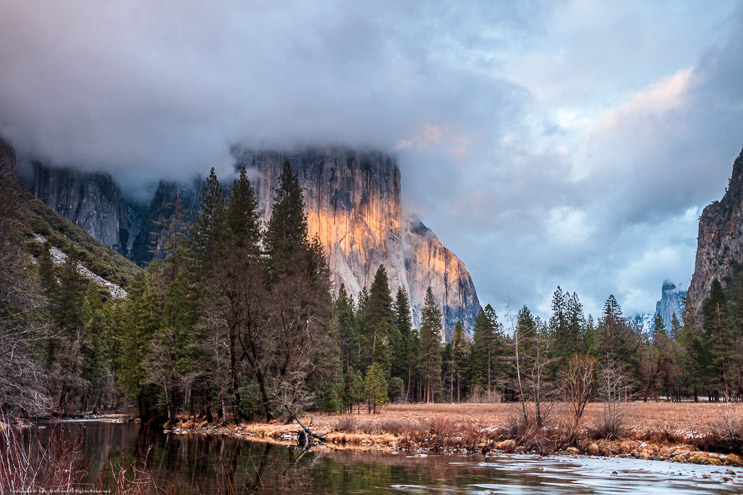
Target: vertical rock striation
point(353, 205)
point(91, 200)
point(429, 263)
point(720, 240)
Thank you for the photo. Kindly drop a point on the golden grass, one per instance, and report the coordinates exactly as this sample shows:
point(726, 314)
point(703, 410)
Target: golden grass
point(667, 430)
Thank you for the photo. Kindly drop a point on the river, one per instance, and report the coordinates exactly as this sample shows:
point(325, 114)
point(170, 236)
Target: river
point(192, 464)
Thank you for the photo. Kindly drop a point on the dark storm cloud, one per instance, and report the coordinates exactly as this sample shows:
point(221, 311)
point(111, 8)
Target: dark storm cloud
point(172, 84)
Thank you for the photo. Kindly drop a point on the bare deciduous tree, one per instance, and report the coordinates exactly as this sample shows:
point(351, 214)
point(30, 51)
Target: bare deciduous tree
point(578, 380)
point(22, 380)
point(613, 381)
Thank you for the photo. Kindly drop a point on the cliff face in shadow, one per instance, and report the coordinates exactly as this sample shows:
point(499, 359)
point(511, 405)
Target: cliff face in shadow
point(90, 200)
point(720, 240)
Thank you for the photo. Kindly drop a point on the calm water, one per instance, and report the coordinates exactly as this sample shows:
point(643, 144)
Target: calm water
point(200, 464)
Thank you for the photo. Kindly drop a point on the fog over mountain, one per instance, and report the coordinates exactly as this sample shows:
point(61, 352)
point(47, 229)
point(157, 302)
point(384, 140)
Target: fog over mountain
point(546, 143)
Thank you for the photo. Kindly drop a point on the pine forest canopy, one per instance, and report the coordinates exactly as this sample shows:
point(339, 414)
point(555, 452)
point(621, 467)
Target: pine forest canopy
point(239, 322)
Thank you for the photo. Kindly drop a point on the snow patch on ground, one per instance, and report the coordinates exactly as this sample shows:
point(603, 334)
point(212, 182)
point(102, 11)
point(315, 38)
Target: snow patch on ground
point(58, 257)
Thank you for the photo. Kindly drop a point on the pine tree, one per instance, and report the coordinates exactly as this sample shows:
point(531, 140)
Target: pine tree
point(566, 342)
point(376, 387)
point(697, 360)
point(172, 354)
point(459, 357)
point(416, 381)
point(94, 353)
point(486, 350)
point(168, 242)
point(46, 272)
point(675, 326)
point(299, 304)
point(206, 233)
point(659, 326)
point(286, 234)
point(403, 365)
point(379, 317)
point(430, 336)
point(236, 291)
point(67, 303)
point(242, 214)
point(345, 325)
point(142, 310)
point(617, 340)
point(719, 334)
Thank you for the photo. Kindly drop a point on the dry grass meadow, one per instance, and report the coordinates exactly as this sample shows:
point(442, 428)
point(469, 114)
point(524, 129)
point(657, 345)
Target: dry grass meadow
point(682, 432)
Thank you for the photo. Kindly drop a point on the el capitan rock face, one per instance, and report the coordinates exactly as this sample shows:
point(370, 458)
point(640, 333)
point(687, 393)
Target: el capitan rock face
point(353, 203)
point(720, 239)
point(429, 263)
point(352, 199)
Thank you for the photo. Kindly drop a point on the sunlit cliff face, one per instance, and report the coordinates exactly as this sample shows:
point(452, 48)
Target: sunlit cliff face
point(352, 200)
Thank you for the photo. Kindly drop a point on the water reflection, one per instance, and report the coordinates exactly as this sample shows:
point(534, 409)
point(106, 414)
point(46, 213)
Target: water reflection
point(214, 464)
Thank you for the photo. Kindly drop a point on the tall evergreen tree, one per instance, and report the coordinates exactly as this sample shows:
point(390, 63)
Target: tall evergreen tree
point(299, 303)
point(286, 233)
point(659, 325)
point(487, 350)
point(617, 340)
point(206, 233)
point(430, 336)
point(675, 326)
point(142, 309)
point(95, 365)
point(238, 292)
point(719, 334)
point(243, 221)
point(172, 355)
point(403, 365)
point(459, 358)
point(345, 328)
point(379, 322)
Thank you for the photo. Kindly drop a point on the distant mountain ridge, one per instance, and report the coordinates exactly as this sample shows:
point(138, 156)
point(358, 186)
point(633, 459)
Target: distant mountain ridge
point(353, 203)
point(38, 224)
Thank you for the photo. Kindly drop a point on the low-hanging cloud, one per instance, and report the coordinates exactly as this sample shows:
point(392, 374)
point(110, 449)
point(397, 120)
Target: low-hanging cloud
point(536, 168)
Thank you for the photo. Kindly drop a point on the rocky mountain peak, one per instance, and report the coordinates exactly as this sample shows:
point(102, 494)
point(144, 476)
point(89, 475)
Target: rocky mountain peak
point(671, 302)
point(720, 239)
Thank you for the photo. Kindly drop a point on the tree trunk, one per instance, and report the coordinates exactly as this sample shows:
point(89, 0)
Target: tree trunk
point(238, 416)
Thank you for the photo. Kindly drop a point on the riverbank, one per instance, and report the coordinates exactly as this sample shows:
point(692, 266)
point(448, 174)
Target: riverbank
point(698, 433)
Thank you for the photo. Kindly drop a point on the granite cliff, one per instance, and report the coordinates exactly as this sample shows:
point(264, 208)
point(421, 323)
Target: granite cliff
point(720, 240)
point(353, 203)
point(90, 200)
point(671, 302)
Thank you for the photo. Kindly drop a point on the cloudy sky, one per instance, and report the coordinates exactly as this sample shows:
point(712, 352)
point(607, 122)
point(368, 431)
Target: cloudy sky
point(560, 142)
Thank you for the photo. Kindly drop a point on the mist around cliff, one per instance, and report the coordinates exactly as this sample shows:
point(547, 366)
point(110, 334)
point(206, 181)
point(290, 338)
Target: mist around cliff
point(544, 143)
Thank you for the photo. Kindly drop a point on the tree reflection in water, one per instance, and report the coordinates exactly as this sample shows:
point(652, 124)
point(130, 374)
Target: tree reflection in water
point(200, 464)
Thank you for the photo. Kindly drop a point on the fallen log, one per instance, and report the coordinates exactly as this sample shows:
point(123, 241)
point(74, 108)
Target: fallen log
point(305, 436)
